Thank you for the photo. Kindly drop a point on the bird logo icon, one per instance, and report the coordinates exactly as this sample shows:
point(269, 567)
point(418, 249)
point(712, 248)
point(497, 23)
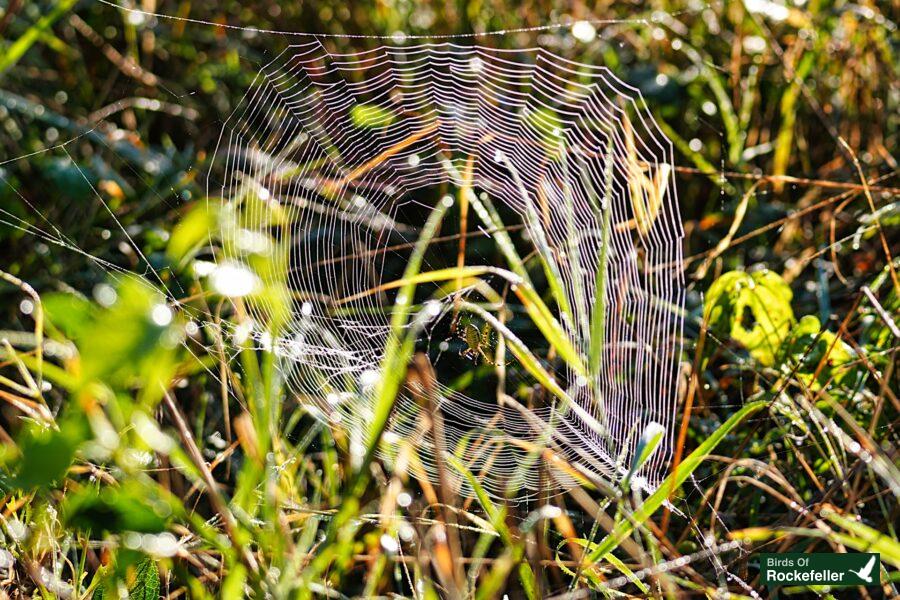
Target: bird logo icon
point(866, 572)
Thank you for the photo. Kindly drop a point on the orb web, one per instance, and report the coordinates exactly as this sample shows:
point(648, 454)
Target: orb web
point(340, 158)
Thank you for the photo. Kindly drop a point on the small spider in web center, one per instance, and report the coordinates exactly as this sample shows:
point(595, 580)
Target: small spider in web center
point(480, 341)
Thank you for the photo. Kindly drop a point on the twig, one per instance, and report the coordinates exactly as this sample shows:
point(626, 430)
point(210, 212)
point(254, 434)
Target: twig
point(778, 222)
point(805, 181)
point(421, 379)
point(38, 312)
point(725, 242)
point(125, 64)
point(868, 194)
point(371, 164)
point(215, 495)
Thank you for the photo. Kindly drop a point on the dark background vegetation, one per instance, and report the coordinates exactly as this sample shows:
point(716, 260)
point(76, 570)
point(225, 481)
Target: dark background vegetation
point(785, 121)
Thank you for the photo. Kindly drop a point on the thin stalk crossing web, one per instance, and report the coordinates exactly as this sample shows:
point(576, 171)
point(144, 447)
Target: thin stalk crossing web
point(558, 207)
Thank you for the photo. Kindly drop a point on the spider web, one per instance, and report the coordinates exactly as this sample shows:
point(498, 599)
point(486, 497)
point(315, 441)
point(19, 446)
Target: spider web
point(342, 157)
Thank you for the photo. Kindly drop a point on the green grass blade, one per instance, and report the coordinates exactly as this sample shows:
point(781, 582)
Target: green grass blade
point(491, 219)
point(865, 539)
point(598, 314)
point(18, 48)
point(573, 251)
point(551, 328)
point(538, 311)
point(545, 252)
point(399, 347)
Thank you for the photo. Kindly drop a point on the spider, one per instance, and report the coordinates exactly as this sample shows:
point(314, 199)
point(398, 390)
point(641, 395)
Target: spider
point(480, 342)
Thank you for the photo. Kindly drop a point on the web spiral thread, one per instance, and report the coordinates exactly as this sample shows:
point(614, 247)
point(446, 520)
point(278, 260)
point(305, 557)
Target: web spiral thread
point(341, 147)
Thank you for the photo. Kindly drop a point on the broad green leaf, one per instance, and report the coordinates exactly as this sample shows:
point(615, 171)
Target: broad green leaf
point(134, 341)
point(143, 582)
point(69, 313)
point(807, 345)
point(754, 309)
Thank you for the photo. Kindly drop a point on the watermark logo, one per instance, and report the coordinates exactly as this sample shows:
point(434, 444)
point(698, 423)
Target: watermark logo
point(821, 568)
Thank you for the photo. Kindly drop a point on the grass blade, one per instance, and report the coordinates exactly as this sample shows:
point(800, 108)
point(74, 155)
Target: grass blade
point(18, 48)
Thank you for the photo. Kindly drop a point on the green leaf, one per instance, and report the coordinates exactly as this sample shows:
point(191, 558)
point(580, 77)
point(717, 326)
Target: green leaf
point(146, 582)
point(46, 455)
point(191, 232)
point(808, 345)
point(130, 507)
point(133, 342)
point(70, 313)
point(370, 115)
point(144, 586)
point(754, 309)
